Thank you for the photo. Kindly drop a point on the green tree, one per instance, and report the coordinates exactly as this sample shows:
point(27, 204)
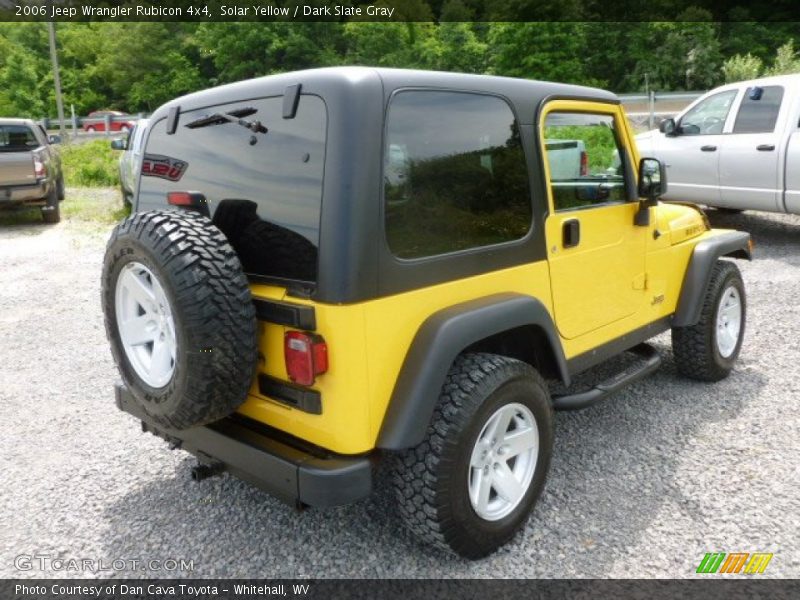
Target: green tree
point(244, 50)
point(547, 51)
point(686, 53)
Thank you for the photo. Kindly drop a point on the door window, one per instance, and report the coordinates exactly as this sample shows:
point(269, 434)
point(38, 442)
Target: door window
point(759, 110)
point(584, 158)
point(708, 117)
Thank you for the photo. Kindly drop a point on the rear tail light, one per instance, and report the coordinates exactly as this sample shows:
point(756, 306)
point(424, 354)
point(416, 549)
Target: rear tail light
point(306, 356)
point(194, 199)
point(39, 169)
point(584, 164)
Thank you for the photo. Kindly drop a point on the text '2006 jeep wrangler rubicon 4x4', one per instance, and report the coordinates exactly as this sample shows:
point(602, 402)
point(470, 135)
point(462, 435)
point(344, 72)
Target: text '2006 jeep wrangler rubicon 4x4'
point(333, 268)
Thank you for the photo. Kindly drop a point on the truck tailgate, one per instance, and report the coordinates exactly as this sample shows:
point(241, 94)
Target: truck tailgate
point(16, 168)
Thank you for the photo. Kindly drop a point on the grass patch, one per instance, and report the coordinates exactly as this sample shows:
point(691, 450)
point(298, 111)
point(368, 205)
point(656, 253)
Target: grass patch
point(90, 164)
point(90, 206)
point(82, 206)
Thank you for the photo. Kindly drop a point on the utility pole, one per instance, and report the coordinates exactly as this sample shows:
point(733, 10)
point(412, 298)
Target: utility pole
point(56, 77)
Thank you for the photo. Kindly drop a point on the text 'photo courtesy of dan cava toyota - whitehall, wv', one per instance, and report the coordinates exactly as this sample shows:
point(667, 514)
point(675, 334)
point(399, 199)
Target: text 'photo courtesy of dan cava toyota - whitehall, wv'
point(370, 295)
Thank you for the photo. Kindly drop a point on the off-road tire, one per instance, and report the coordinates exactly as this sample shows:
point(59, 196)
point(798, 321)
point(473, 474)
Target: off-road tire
point(695, 347)
point(214, 317)
point(430, 480)
point(52, 212)
point(60, 188)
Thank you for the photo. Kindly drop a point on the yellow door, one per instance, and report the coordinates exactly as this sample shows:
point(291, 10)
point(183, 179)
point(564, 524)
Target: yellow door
point(596, 253)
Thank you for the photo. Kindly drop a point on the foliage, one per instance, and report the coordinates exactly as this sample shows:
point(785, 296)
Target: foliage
point(136, 67)
point(92, 163)
point(787, 61)
point(742, 68)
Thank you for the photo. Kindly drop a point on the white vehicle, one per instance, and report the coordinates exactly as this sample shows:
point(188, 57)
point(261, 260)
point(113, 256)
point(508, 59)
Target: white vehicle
point(737, 147)
point(130, 163)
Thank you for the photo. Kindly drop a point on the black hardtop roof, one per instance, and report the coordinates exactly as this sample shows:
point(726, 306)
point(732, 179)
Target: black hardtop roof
point(524, 93)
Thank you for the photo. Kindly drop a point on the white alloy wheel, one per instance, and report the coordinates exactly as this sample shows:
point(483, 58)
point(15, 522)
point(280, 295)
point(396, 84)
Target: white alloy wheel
point(145, 323)
point(729, 321)
point(503, 461)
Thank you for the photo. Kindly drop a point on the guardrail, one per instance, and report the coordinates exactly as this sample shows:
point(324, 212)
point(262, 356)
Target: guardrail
point(103, 125)
point(642, 109)
point(650, 107)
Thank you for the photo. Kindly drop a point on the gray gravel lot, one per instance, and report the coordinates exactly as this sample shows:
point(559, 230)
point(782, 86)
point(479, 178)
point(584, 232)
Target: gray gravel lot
point(641, 485)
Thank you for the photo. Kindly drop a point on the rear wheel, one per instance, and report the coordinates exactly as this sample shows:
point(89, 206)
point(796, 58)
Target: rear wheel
point(471, 484)
point(708, 350)
point(179, 316)
point(52, 212)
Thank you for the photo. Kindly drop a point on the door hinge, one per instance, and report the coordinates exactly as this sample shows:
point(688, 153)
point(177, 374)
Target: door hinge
point(640, 282)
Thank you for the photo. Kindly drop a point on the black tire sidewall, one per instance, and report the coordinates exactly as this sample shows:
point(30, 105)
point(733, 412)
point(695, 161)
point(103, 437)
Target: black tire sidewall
point(156, 401)
point(482, 536)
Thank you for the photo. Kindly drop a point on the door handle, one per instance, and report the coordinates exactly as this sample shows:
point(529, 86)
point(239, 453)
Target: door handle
point(571, 231)
point(708, 148)
point(765, 147)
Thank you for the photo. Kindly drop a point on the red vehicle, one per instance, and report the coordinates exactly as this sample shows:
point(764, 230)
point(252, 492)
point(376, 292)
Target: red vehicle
point(96, 121)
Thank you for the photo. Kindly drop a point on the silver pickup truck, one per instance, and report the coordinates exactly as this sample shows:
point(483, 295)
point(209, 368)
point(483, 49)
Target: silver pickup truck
point(30, 169)
point(736, 148)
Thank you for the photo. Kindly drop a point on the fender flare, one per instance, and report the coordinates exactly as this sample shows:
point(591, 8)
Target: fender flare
point(439, 340)
point(698, 273)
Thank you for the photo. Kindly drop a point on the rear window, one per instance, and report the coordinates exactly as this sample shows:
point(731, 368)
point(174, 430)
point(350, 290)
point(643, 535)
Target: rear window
point(264, 190)
point(17, 138)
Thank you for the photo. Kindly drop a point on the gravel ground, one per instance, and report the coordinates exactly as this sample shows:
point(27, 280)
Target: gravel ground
point(641, 485)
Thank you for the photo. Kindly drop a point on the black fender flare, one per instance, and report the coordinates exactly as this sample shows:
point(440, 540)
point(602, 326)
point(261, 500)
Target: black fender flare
point(698, 273)
point(439, 340)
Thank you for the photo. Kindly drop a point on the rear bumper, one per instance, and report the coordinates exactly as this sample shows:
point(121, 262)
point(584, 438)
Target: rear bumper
point(289, 473)
point(24, 194)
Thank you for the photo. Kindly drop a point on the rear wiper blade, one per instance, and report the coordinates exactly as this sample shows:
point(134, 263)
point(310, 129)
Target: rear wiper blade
point(234, 116)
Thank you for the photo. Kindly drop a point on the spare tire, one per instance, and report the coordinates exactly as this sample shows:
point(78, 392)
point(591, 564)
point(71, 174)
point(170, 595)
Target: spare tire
point(179, 317)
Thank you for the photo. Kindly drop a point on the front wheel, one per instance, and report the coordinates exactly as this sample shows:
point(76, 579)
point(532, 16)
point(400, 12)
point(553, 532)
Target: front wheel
point(708, 350)
point(471, 484)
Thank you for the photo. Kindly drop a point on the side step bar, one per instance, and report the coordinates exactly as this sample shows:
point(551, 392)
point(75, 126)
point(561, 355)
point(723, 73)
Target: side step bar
point(651, 361)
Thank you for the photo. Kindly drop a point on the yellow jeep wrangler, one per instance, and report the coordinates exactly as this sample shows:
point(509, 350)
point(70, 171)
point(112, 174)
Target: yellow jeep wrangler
point(336, 269)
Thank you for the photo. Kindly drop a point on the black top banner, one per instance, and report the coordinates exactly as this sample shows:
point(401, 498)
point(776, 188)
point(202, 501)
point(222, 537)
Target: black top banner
point(399, 10)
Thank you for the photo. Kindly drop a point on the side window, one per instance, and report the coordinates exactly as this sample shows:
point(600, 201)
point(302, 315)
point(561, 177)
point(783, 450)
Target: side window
point(708, 117)
point(759, 110)
point(584, 159)
point(455, 175)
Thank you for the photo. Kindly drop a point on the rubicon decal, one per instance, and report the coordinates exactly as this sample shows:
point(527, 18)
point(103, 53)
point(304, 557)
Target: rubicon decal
point(157, 165)
point(734, 562)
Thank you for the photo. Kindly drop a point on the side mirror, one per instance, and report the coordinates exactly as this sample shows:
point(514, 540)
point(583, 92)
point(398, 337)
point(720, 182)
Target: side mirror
point(652, 185)
point(54, 139)
point(119, 144)
point(668, 127)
